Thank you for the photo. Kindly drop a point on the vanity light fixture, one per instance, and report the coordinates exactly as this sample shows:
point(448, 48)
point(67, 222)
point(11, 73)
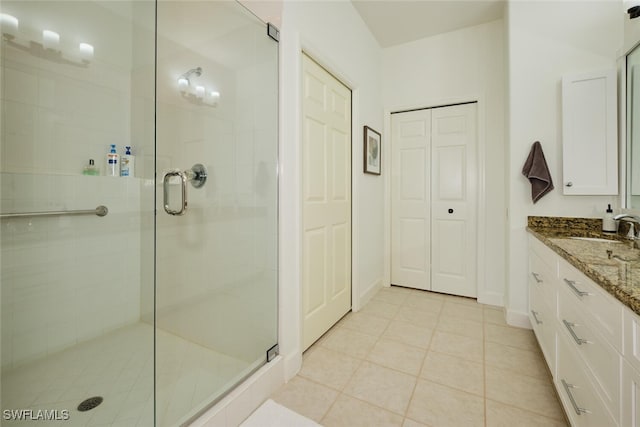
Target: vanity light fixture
point(48, 47)
point(9, 25)
point(197, 94)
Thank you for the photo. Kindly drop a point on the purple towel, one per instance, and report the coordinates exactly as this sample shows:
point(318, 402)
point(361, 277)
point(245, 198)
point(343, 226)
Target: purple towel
point(536, 169)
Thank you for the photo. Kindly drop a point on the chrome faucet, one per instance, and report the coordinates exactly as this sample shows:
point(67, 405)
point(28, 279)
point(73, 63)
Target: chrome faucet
point(633, 220)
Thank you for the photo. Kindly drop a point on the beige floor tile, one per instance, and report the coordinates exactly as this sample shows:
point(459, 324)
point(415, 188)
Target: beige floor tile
point(425, 302)
point(383, 387)
point(511, 336)
point(495, 316)
point(460, 326)
point(520, 361)
point(411, 423)
point(437, 405)
point(457, 345)
point(392, 295)
point(408, 333)
point(522, 391)
point(381, 309)
point(396, 355)
point(365, 323)
point(464, 311)
point(349, 342)
point(350, 412)
point(329, 367)
point(454, 372)
point(306, 397)
point(418, 317)
point(501, 415)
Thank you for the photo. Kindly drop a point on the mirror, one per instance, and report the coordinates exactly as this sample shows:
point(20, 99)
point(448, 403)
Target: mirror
point(633, 129)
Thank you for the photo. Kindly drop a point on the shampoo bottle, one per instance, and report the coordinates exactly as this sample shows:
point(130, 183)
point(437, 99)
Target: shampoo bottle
point(609, 224)
point(113, 164)
point(127, 163)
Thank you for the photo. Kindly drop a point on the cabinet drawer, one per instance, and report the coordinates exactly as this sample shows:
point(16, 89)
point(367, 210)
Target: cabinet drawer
point(632, 338)
point(605, 312)
point(543, 275)
point(601, 359)
point(545, 254)
point(581, 401)
point(630, 396)
point(543, 320)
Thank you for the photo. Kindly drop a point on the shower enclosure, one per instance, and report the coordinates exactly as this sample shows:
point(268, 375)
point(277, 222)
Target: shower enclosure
point(135, 300)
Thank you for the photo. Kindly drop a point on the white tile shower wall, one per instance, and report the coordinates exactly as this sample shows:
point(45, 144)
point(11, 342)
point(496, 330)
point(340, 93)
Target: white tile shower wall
point(67, 279)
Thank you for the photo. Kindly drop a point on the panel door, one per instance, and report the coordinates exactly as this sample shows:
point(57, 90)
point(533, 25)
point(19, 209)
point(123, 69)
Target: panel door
point(326, 183)
point(453, 200)
point(410, 193)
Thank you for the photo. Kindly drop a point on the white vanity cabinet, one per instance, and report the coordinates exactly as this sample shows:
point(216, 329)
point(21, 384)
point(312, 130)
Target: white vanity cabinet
point(543, 298)
point(585, 355)
point(589, 133)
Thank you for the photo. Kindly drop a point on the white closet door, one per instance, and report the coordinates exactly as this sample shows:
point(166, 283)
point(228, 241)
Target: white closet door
point(453, 200)
point(326, 183)
point(410, 192)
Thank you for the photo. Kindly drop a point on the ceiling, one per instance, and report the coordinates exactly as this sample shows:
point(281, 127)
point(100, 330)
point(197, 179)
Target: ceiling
point(395, 22)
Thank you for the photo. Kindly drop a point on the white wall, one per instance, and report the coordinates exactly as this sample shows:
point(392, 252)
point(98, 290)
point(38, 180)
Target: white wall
point(546, 41)
point(459, 66)
point(334, 34)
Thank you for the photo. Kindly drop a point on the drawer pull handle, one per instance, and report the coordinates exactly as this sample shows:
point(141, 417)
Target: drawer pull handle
point(572, 285)
point(535, 316)
point(537, 277)
point(576, 338)
point(567, 388)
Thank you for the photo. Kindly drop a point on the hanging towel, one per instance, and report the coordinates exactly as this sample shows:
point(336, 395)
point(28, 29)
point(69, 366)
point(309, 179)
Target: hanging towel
point(536, 169)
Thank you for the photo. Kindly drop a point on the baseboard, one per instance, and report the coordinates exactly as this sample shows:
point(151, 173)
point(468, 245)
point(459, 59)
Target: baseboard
point(367, 295)
point(245, 398)
point(519, 319)
point(491, 298)
point(292, 365)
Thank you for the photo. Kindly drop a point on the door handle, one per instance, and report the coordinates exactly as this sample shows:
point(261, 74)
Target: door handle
point(197, 175)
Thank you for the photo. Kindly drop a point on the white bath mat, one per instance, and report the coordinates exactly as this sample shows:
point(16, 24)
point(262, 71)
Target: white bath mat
point(271, 414)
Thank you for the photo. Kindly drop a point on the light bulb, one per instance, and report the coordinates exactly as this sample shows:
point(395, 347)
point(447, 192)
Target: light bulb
point(86, 52)
point(183, 84)
point(200, 92)
point(9, 24)
point(50, 39)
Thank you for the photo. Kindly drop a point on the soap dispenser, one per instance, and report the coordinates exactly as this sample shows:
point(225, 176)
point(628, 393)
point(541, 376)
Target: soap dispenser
point(113, 165)
point(609, 225)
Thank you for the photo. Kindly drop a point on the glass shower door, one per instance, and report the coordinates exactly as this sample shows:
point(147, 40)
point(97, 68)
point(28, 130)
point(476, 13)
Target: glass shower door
point(216, 203)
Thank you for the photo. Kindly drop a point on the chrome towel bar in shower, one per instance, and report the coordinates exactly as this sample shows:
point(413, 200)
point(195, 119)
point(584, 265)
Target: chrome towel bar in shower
point(99, 211)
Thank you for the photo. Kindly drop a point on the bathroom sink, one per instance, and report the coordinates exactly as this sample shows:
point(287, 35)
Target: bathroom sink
point(596, 239)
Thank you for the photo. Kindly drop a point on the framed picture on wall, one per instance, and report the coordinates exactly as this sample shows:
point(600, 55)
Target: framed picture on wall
point(372, 151)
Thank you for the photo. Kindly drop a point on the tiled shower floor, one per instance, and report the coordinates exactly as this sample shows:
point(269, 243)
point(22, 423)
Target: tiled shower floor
point(119, 367)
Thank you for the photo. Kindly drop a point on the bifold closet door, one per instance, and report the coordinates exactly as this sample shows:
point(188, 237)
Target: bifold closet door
point(453, 200)
point(411, 193)
point(433, 199)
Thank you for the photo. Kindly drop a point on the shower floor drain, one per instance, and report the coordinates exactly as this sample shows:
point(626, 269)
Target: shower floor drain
point(90, 403)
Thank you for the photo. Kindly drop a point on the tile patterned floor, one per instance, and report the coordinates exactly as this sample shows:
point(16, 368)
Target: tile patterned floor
point(411, 358)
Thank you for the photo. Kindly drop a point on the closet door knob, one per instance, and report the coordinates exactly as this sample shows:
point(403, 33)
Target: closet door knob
point(569, 184)
point(450, 210)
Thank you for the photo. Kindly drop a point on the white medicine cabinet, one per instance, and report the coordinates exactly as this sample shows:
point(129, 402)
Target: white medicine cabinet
point(589, 133)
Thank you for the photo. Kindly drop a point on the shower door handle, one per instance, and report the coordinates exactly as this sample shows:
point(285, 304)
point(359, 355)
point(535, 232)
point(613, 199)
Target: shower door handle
point(197, 175)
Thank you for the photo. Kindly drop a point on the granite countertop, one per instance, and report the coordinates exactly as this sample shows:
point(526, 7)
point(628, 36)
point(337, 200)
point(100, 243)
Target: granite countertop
point(614, 265)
